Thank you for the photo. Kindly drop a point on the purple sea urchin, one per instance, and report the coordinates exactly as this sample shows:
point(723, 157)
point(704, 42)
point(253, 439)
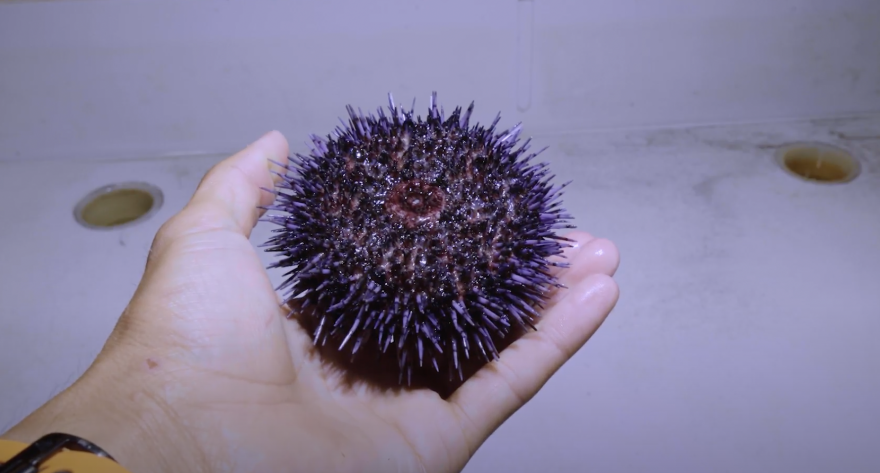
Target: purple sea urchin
point(427, 239)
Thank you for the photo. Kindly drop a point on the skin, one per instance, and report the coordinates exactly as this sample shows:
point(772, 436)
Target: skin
point(203, 372)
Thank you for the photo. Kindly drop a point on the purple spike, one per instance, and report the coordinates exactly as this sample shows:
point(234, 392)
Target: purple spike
point(455, 353)
point(465, 119)
point(464, 344)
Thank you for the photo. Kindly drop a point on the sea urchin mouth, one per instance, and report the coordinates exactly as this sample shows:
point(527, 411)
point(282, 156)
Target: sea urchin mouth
point(426, 240)
point(415, 202)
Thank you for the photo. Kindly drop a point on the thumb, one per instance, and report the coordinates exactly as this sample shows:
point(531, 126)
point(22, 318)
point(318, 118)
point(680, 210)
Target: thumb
point(230, 194)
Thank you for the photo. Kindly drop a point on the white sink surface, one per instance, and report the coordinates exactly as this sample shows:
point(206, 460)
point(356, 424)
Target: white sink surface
point(744, 339)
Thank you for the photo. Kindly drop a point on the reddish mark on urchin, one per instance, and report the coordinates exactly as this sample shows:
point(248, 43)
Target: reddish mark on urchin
point(415, 202)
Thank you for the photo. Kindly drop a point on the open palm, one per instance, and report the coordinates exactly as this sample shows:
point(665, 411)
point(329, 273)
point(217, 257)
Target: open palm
point(213, 357)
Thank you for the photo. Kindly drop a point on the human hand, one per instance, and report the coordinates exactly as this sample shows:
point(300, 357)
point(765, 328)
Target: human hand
point(205, 373)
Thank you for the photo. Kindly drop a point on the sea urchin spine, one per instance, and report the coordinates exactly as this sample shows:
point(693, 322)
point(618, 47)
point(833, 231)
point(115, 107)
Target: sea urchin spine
point(430, 239)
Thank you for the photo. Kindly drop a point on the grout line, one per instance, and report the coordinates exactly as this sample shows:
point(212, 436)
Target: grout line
point(706, 125)
point(171, 156)
point(159, 157)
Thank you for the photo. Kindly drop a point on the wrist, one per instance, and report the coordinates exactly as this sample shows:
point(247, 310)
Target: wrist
point(56, 452)
point(121, 412)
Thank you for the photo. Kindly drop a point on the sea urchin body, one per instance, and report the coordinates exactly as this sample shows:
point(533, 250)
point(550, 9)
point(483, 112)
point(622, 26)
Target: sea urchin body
point(427, 239)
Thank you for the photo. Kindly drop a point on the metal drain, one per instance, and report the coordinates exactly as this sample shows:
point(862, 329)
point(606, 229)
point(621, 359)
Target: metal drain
point(818, 162)
point(118, 205)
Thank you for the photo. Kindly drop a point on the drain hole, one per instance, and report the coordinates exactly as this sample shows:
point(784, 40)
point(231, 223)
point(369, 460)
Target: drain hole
point(819, 162)
point(118, 205)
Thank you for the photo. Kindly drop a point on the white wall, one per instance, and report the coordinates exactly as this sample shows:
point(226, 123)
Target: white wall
point(132, 79)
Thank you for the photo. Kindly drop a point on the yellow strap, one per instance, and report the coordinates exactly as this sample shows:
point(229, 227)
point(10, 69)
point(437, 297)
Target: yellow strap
point(64, 460)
